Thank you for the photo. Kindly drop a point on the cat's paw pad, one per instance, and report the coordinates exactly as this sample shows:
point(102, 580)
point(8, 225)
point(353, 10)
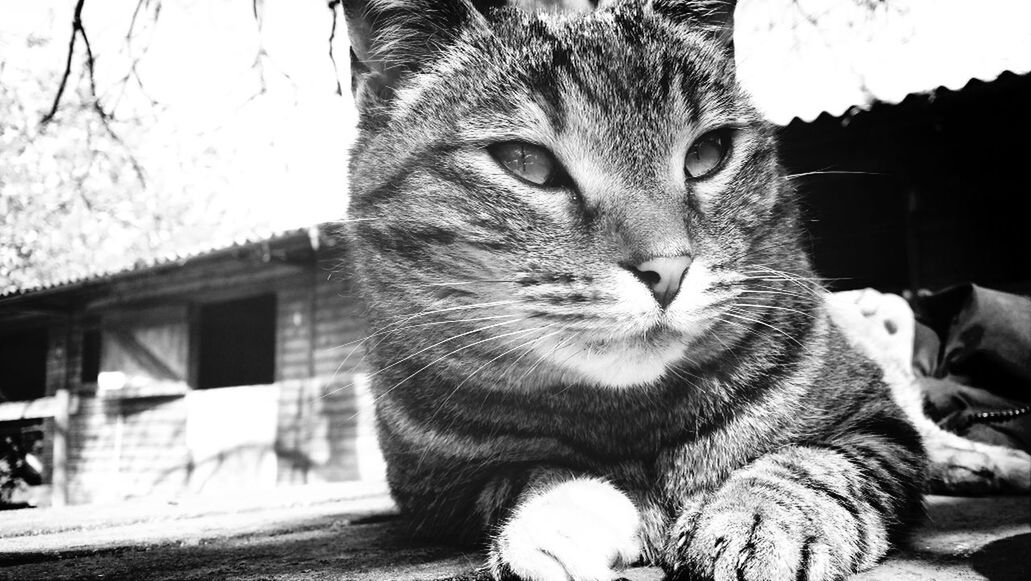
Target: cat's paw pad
point(581, 530)
point(729, 540)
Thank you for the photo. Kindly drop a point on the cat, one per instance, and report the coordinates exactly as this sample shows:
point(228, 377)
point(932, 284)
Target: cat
point(597, 339)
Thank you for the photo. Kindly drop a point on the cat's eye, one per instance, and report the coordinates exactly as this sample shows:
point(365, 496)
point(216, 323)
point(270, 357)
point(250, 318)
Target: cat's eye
point(528, 162)
point(706, 154)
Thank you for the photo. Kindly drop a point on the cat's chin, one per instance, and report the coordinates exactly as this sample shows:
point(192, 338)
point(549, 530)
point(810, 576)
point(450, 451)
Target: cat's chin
point(618, 365)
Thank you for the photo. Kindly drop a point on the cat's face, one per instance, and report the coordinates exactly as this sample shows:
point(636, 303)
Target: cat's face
point(544, 183)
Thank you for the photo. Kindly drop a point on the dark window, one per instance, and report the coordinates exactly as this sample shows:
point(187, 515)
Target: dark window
point(237, 342)
point(90, 356)
point(23, 365)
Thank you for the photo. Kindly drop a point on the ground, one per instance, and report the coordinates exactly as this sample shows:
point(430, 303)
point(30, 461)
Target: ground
point(349, 532)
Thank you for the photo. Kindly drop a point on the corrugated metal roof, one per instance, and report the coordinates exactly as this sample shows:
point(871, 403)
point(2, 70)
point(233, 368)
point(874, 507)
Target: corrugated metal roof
point(170, 258)
point(801, 58)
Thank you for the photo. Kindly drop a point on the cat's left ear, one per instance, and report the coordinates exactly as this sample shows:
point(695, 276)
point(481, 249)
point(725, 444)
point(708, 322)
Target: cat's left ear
point(715, 17)
point(392, 38)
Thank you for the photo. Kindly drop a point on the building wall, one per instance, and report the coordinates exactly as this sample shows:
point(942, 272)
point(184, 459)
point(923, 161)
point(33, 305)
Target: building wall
point(129, 445)
point(323, 433)
point(121, 448)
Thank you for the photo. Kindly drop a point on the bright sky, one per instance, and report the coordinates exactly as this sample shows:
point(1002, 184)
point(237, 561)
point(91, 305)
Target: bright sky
point(799, 58)
point(281, 154)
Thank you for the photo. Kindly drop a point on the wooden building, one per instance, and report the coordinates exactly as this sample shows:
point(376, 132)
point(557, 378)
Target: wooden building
point(213, 369)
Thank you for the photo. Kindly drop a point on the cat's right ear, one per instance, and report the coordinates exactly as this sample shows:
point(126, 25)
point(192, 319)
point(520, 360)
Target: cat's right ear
point(716, 17)
point(392, 38)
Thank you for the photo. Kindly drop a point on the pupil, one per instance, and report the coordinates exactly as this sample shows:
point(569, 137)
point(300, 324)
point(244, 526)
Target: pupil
point(710, 151)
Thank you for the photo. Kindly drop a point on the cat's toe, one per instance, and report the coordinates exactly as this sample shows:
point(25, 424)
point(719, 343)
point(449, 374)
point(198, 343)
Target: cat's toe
point(581, 530)
point(749, 544)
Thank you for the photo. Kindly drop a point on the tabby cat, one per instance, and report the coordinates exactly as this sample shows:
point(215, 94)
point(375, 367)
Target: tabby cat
point(596, 340)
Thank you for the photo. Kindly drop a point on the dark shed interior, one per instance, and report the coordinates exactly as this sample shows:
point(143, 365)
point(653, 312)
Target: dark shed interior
point(930, 192)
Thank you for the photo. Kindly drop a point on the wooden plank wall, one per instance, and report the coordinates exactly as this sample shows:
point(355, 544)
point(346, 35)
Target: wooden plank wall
point(121, 448)
point(114, 448)
point(124, 447)
point(319, 420)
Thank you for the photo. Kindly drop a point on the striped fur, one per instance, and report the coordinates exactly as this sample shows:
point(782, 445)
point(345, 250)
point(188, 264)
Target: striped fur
point(531, 393)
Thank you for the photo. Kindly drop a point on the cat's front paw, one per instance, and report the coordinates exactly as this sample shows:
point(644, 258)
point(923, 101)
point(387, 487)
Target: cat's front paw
point(732, 537)
point(579, 530)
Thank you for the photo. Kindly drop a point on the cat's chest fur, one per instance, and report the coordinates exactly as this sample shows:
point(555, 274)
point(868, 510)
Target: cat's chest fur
point(737, 400)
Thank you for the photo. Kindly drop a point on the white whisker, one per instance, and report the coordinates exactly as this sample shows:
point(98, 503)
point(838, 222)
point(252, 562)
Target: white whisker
point(446, 355)
point(776, 308)
point(424, 349)
point(485, 365)
point(765, 324)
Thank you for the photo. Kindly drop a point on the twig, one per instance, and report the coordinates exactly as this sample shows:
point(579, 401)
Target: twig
point(332, 36)
point(76, 28)
point(78, 31)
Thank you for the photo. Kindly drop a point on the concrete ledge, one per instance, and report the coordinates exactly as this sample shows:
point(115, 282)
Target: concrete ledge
point(350, 532)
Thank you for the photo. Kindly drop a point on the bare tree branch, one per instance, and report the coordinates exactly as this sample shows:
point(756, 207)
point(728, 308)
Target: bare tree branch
point(135, 58)
point(78, 31)
point(90, 66)
point(333, 4)
point(76, 27)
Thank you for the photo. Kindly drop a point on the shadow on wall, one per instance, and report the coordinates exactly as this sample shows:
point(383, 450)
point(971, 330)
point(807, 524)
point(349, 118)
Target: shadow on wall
point(237, 468)
point(126, 447)
point(222, 439)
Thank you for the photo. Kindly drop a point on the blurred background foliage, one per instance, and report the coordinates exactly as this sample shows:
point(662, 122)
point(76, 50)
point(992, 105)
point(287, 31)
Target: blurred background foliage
point(135, 128)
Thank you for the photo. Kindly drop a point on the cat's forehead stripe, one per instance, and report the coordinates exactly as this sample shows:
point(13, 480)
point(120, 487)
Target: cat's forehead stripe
point(600, 59)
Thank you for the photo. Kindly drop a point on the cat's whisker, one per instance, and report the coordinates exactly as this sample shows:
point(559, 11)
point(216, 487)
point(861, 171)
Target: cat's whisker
point(393, 328)
point(447, 310)
point(770, 292)
point(528, 351)
point(677, 373)
point(810, 278)
point(811, 288)
point(716, 336)
point(417, 325)
point(776, 308)
point(424, 349)
point(802, 296)
point(765, 324)
point(391, 332)
point(567, 358)
point(811, 283)
point(554, 350)
point(448, 354)
point(831, 172)
point(487, 364)
point(737, 324)
point(465, 282)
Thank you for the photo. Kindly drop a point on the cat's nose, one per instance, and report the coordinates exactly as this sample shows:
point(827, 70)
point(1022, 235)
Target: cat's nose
point(663, 275)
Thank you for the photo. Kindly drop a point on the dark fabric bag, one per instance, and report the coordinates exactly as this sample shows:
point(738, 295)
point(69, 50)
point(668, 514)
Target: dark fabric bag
point(972, 356)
